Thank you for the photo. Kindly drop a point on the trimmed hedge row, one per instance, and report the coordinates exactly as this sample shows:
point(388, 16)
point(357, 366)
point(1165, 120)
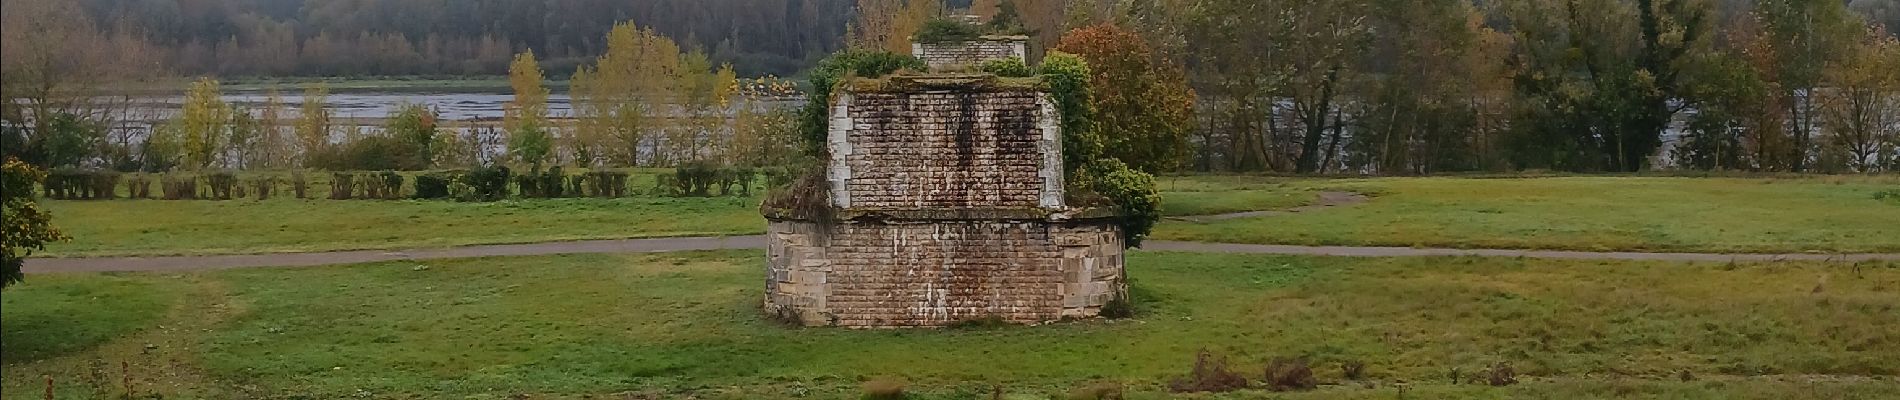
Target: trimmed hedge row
point(475, 184)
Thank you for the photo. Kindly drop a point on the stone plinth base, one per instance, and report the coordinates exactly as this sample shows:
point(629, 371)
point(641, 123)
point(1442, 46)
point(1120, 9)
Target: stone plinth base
point(886, 274)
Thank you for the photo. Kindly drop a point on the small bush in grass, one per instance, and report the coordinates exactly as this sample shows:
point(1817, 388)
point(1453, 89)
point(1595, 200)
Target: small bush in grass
point(221, 184)
point(884, 389)
point(606, 184)
point(1891, 196)
point(553, 183)
point(434, 185)
point(139, 186)
point(105, 185)
point(1353, 370)
point(1106, 390)
point(264, 186)
point(1500, 374)
point(1119, 308)
point(391, 183)
point(342, 185)
point(299, 185)
point(695, 179)
point(1210, 375)
point(80, 184)
point(1290, 374)
point(576, 185)
point(484, 184)
point(180, 187)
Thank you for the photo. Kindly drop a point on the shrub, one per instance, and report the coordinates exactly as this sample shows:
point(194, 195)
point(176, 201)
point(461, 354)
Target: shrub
point(264, 186)
point(1353, 370)
point(608, 184)
point(1131, 192)
point(1891, 196)
point(26, 227)
point(1500, 374)
point(484, 184)
point(1210, 374)
point(944, 30)
point(1290, 374)
point(695, 179)
point(180, 187)
point(576, 185)
point(699, 178)
point(299, 185)
point(1118, 308)
point(1009, 67)
point(369, 153)
point(221, 184)
point(1097, 391)
point(391, 185)
point(342, 185)
point(139, 186)
point(80, 184)
point(553, 183)
point(884, 389)
point(814, 120)
point(741, 177)
point(434, 185)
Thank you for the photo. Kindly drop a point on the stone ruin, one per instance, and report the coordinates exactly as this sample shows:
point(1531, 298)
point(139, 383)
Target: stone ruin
point(962, 54)
point(945, 205)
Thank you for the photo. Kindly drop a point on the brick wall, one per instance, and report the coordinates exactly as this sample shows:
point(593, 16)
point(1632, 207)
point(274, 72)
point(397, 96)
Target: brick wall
point(946, 149)
point(949, 55)
point(932, 274)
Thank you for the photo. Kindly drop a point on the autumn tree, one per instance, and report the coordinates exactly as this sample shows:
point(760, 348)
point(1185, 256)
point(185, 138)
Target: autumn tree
point(1595, 79)
point(1805, 36)
point(59, 76)
point(1861, 109)
point(888, 25)
point(414, 127)
point(526, 117)
point(1332, 35)
point(274, 150)
point(618, 98)
point(204, 125)
point(26, 228)
point(1236, 46)
point(1143, 104)
point(313, 123)
point(1428, 97)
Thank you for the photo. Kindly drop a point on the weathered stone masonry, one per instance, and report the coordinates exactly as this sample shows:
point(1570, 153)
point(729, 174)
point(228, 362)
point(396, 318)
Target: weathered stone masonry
point(955, 54)
point(949, 209)
point(928, 274)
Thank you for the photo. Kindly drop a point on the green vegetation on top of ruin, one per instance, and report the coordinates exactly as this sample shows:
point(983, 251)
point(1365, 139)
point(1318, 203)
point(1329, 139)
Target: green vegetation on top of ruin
point(683, 325)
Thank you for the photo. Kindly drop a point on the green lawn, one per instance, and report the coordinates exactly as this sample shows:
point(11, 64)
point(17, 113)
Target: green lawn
point(688, 325)
point(1834, 214)
point(1209, 195)
point(155, 227)
point(1837, 214)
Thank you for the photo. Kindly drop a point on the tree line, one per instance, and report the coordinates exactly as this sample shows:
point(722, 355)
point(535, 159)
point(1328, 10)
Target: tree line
point(1432, 86)
point(443, 37)
point(1302, 86)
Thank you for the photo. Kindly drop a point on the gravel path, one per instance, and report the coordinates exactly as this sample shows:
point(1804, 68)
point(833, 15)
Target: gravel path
point(184, 263)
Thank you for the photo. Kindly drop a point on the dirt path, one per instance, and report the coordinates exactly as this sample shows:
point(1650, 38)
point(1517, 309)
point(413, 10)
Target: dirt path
point(1326, 200)
point(185, 263)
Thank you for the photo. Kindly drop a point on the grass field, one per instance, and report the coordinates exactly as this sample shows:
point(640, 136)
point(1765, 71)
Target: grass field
point(1840, 214)
point(687, 325)
point(1835, 214)
point(285, 224)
